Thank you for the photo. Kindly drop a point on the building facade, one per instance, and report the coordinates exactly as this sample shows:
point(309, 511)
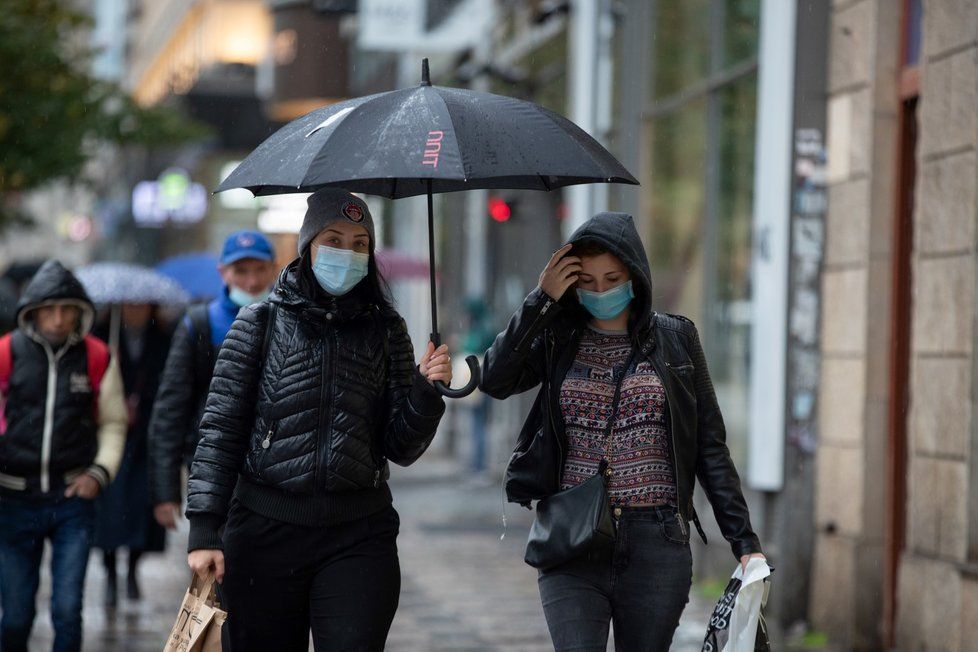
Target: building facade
point(897, 517)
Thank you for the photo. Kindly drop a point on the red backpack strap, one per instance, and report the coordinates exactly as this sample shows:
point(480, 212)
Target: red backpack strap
point(98, 361)
point(6, 366)
point(6, 362)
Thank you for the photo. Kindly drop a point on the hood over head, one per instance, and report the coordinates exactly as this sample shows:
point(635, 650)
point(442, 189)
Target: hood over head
point(52, 284)
point(616, 232)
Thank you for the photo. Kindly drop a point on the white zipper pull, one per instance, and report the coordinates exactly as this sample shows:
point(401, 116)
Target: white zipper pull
point(267, 441)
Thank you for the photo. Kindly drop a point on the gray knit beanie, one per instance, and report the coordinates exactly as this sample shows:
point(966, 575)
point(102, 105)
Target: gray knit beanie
point(329, 205)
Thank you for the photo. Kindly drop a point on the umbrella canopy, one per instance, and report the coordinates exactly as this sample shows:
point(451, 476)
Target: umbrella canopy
point(427, 139)
point(128, 283)
point(196, 273)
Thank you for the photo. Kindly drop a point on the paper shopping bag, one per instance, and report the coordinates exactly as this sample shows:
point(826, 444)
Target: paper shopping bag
point(199, 622)
point(737, 623)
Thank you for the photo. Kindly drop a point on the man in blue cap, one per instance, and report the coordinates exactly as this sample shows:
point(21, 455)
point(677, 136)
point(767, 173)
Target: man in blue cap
point(248, 268)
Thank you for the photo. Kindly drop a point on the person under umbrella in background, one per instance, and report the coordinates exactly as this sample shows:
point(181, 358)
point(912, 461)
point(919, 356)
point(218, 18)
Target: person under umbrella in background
point(315, 389)
point(247, 266)
point(62, 439)
point(124, 511)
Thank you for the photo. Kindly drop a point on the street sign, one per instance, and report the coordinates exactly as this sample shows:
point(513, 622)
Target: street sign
point(423, 25)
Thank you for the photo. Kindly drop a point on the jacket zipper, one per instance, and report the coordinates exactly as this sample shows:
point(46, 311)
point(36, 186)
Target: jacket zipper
point(675, 457)
point(266, 443)
point(329, 380)
point(49, 402)
point(552, 400)
point(530, 328)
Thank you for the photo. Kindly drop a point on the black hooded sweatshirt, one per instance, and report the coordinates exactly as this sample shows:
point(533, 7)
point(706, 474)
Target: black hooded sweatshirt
point(538, 348)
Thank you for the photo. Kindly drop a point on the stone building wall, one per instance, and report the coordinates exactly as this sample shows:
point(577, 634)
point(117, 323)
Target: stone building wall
point(937, 590)
point(938, 586)
point(856, 285)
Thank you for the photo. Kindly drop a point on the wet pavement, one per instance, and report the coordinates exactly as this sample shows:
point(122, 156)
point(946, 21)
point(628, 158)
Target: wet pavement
point(463, 589)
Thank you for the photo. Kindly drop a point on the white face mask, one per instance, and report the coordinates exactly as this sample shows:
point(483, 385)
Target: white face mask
point(241, 298)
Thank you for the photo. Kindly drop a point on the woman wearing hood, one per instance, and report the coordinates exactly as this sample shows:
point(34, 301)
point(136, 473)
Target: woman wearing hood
point(626, 395)
point(314, 390)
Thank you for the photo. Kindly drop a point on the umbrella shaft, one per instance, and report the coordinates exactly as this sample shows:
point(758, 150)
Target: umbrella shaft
point(431, 266)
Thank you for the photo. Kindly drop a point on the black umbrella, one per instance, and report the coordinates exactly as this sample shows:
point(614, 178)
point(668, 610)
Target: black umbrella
point(425, 140)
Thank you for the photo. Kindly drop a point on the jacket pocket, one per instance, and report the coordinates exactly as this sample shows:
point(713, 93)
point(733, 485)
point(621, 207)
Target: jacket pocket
point(682, 374)
point(260, 450)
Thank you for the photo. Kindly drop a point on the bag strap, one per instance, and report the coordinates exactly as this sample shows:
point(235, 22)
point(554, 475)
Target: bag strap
point(603, 465)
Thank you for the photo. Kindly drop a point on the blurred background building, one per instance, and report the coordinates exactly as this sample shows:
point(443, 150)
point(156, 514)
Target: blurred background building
point(780, 145)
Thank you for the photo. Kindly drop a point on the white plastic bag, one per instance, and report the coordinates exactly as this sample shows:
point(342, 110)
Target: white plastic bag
point(734, 624)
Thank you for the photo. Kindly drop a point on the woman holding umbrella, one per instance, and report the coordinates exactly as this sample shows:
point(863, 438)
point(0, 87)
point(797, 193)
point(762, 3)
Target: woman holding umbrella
point(314, 390)
point(626, 403)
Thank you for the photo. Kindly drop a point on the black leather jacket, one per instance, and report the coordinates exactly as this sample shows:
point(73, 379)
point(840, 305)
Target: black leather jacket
point(309, 428)
point(538, 348)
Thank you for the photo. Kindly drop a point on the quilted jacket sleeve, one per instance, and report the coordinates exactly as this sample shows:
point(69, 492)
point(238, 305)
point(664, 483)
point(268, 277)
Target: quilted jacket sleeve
point(225, 427)
point(714, 468)
point(415, 406)
point(514, 362)
point(173, 413)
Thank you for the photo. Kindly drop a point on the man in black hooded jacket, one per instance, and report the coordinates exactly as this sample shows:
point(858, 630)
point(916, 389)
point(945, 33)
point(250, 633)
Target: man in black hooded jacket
point(63, 433)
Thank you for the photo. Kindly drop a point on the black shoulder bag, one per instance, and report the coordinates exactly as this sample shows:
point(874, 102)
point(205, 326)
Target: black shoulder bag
point(574, 521)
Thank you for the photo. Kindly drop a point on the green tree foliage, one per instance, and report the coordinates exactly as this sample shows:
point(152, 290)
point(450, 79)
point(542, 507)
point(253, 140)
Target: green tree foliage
point(53, 111)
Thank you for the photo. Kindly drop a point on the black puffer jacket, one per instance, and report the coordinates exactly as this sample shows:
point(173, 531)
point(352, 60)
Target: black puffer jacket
point(538, 348)
point(310, 428)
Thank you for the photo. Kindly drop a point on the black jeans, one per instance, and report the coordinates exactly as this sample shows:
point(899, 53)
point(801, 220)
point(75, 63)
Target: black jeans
point(342, 581)
point(642, 584)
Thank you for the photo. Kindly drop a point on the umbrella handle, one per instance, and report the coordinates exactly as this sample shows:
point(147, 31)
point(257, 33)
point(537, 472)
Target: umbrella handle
point(476, 373)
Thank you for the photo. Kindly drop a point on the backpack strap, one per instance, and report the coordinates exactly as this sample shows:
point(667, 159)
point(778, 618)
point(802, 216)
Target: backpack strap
point(269, 327)
point(199, 323)
point(6, 366)
point(98, 361)
point(6, 362)
point(200, 329)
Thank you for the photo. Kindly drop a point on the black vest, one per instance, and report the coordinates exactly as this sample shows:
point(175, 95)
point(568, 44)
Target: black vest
point(69, 424)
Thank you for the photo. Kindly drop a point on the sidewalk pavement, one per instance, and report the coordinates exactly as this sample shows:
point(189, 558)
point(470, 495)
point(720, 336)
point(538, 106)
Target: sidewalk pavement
point(463, 589)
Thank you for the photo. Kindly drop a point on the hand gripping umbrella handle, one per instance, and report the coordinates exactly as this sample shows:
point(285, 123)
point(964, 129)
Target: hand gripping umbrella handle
point(476, 373)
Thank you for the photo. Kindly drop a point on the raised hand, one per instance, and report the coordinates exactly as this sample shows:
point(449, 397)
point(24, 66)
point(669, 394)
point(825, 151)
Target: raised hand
point(560, 273)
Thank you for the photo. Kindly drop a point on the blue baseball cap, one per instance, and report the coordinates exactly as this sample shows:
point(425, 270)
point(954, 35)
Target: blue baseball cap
point(246, 244)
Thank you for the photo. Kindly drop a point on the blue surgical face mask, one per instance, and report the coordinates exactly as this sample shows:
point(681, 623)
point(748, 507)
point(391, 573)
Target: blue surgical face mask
point(608, 304)
point(338, 270)
point(241, 298)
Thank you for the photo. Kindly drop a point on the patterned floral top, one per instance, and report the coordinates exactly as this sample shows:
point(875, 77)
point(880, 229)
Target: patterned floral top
point(640, 452)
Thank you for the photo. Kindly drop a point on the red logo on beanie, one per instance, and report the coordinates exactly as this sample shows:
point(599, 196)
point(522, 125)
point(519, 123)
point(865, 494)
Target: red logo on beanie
point(353, 212)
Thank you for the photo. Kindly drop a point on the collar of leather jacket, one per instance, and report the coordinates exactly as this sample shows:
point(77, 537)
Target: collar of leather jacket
point(297, 289)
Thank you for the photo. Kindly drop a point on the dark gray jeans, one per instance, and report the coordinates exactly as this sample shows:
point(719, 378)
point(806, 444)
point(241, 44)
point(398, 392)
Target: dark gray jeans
point(642, 585)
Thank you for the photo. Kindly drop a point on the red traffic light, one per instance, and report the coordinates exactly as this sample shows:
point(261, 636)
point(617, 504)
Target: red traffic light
point(499, 210)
